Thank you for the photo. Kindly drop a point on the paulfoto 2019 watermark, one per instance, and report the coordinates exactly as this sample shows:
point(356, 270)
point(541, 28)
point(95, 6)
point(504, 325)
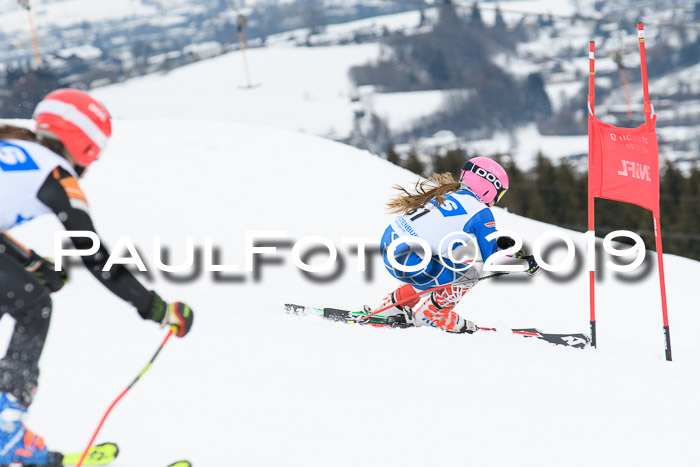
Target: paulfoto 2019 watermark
point(270, 248)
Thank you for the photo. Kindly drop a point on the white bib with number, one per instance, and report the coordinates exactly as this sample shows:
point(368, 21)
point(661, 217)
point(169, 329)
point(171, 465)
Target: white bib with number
point(24, 167)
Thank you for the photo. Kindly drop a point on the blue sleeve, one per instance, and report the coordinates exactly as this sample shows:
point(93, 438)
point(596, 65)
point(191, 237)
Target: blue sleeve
point(482, 225)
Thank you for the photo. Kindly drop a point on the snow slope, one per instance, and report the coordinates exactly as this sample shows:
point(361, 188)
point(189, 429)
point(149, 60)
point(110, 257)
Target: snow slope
point(253, 386)
point(70, 12)
point(305, 89)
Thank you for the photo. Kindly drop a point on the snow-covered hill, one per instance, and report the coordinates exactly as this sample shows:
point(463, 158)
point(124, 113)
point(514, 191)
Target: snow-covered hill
point(306, 89)
point(64, 13)
point(253, 386)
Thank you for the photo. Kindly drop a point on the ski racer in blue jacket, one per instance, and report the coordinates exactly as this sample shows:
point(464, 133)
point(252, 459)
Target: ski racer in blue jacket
point(442, 212)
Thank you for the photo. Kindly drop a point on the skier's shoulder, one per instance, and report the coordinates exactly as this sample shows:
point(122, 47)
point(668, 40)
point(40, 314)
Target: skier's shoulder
point(61, 190)
point(32, 148)
point(472, 203)
point(25, 155)
point(480, 215)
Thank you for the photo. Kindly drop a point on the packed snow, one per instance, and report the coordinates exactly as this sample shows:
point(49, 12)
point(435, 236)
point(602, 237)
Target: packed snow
point(254, 386)
point(401, 110)
point(297, 88)
point(309, 90)
point(66, 13)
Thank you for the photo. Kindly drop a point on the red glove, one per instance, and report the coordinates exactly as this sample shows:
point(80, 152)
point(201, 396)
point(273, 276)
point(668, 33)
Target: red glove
point(179, 317)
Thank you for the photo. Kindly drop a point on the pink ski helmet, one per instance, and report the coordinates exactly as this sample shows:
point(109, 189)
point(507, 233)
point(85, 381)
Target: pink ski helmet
point(486, 178)
point(77, 120)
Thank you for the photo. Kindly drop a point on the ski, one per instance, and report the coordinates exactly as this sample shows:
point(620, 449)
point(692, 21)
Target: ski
point(576, 340)
point(349, 317)
point(102, 454)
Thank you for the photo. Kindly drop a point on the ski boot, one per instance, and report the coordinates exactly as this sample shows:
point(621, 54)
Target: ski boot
point(401, 314)
point(432, 314)
point(20, 447)
point(438, 310)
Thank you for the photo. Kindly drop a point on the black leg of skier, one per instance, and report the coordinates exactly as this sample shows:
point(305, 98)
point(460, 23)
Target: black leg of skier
point(39, 175)
point(24, 298)
point(29, 303)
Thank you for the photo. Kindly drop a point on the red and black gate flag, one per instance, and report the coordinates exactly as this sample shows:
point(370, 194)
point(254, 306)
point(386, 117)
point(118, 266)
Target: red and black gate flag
point(624, 164)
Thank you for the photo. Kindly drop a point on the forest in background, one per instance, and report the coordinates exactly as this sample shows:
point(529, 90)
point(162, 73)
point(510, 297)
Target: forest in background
point(557, 193)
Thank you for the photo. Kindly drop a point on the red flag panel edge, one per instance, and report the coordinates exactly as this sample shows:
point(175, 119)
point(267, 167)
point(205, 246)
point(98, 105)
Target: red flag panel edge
point(623, 164)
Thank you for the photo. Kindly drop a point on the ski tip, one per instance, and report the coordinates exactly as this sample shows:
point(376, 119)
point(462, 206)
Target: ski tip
point(101, 454)
point(293, 309)
point(112, 448)
point(181, 464)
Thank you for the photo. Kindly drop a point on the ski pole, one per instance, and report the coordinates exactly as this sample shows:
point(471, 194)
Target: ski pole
point(123, 393)
point(420, 294)
point(401, 302)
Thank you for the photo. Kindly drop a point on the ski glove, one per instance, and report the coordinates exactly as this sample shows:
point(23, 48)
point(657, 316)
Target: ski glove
point(505, 242)
point(45, 272)
point(532, 267)
point(177, 315)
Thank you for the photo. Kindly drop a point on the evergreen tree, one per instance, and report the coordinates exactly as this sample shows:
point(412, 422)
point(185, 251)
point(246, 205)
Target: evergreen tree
point(476, 19)
point(451, 162)
point(423, 20)
point(439, 69)
point(500, 22)
point(546, 191)
point(537, 103)
point(672, 188)
point(515, 199)
point(691, 221)
point(414, 164)
point(569, 206)
point(448, 19)
point(557, 194)
point(391, 154)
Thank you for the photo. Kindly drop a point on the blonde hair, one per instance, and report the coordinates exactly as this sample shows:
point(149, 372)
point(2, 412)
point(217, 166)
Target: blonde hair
point(15, 132)
point(434, 187)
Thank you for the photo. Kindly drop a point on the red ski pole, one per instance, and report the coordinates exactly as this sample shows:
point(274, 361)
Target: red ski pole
point(123, 393)
point(402, 301)
point(420, 294)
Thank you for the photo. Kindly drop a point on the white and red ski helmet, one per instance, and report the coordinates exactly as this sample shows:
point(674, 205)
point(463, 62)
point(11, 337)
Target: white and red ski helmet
point(78, 121)
point(486, 178)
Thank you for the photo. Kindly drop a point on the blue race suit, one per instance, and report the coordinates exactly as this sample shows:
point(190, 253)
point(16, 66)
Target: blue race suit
point(461, 212)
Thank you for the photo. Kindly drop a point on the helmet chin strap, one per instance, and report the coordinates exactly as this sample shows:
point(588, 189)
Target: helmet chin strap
point(464, 186)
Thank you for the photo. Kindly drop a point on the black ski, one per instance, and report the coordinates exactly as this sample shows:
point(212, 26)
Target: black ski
point(576, 340)
point(349, 317)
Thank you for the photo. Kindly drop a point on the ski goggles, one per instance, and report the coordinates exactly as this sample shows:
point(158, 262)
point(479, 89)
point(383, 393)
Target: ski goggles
point(490, 177)
point(500, 194)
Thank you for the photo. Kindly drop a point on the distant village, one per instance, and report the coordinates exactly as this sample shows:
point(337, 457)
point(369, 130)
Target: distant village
point(92, 54)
